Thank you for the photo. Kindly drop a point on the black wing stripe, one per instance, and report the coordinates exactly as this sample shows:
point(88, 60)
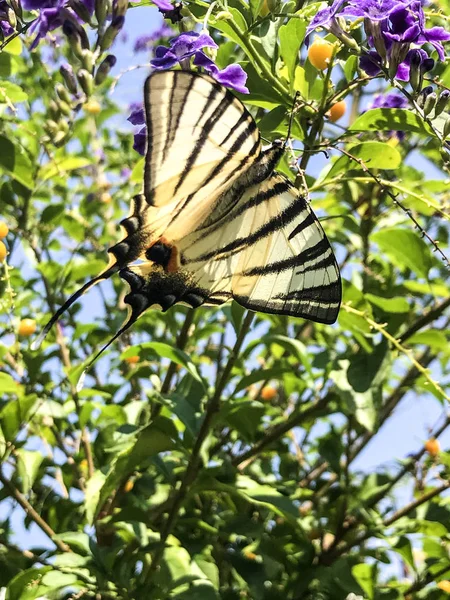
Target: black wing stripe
point(207, 128)
point(290, 263)
point(310, 220)
point(328, 292)
point(277, 222)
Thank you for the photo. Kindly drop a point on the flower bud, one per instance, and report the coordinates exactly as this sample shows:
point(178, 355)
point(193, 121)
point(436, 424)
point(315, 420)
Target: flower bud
point(53, 109)
point(51, 126)
point(430, 103)
point(69, 78)
point(62, 92)
point(110, 34)
point(446, 128)
point(102, 9)
point(73, 37)
point(80, 9)
point(64, 108)
point(86, 81)
point(15, 5)
point(428, 65)
point(88, 60)
point(59, 139)
point(415, 71)
point(119, 8)
point(442, 102)
point(423, 95)
point(104, 68)
point(11, 17)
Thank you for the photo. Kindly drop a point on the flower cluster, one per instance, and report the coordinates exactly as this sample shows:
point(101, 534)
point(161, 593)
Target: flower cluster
point(395, 32)
point(180, 51)
point(53, 14)
point(5, 26)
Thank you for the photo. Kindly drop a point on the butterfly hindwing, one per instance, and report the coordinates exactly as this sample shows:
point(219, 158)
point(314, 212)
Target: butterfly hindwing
point(270, 254)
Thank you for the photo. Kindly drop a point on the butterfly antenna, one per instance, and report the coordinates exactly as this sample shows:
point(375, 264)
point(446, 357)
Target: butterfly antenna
point(105, 275)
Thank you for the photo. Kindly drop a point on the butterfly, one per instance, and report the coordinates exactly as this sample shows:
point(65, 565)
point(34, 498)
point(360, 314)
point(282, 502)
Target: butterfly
point(215, 221)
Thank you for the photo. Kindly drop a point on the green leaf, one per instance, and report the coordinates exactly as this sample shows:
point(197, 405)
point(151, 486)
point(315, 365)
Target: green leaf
point(57, 167)
point(8, 385)
point(56, 580)
point(239, 23)
point(14, 414)
point(21, 587)
point(261, 375)
point(159, 436)
point(15, 162)
point(389, 305)
point(28, 463)
point(10, 93)
point(375, 155)
point(165, 351)
point(137, 174)
point(390, 119)
point(291, 37)
point(365, 576)
point(406, 249)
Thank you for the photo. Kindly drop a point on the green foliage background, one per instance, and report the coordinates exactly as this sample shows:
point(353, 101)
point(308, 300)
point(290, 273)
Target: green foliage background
point(176, 477)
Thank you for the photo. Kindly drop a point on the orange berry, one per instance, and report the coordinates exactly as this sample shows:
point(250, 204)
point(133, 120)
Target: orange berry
point(433, 447)
point(27, 327)
point(92, 107)
point(337, 111)
point(249, 555)
point(128, 486)
point(3, 230)
point(268, 392)
point(320, 53)
point(444, 585)
point(3, 252)
point(132, 360)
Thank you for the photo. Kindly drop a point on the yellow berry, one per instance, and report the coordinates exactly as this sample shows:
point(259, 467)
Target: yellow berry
point(268, 392)
point(132, 360)
point(105, 198)
point(3, 230)
point(264, 10)
point(337, 110)
point(92, 107)
point(128, 486)
point(27, 327)
point(3, 252)
point(433, 447)
point(320, 53)
point(444, 585)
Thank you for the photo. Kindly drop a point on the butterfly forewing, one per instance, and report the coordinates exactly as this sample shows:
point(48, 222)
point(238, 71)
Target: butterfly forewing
point(200, 139)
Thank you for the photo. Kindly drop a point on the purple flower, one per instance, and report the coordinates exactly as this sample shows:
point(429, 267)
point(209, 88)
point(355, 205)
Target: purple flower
point(145, 42)
point(375, 10)
point(191, 44)
point(163, 5)
point(137, 116)
point(390, 100)
point(50, 17)
point(140, 141)
point(5, 26)
point(325, 18)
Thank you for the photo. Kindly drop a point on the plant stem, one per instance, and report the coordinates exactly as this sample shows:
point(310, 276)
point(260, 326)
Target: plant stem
point(212, 407)
point(23, 502)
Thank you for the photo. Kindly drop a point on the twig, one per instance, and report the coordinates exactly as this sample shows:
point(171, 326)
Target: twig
point(212, 407)
point(23, 502)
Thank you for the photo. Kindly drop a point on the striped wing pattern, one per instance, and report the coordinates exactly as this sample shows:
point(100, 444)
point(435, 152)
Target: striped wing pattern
point(201, 138)
point(270, 254)
point(215, 221)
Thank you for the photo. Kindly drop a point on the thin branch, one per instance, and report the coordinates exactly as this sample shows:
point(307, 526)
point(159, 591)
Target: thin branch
point(23, 502)
point(212, 407)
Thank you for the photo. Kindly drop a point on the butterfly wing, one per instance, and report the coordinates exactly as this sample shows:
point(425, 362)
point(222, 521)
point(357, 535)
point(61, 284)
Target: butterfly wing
point(200, 139)
point(269, 253)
